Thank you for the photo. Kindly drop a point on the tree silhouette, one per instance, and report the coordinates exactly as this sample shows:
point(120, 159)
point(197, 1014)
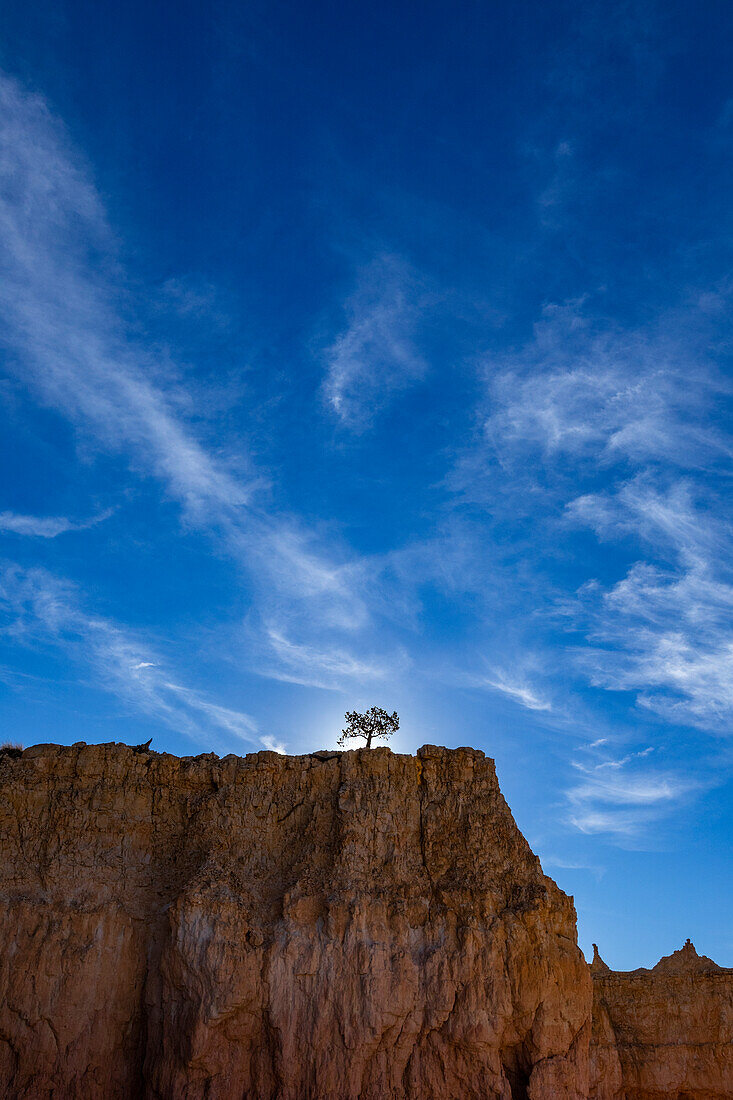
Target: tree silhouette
point(374, 723)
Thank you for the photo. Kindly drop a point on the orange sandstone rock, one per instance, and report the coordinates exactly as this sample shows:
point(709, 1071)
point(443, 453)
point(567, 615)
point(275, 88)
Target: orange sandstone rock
point(664, 1033)
point(328, 927)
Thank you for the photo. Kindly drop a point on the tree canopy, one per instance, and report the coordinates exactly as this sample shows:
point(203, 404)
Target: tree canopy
point(373, 723)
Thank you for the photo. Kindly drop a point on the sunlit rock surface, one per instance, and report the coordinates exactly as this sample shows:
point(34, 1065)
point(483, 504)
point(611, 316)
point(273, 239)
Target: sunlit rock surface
point(327, 927)
point(663, 1033)
point(356, 924)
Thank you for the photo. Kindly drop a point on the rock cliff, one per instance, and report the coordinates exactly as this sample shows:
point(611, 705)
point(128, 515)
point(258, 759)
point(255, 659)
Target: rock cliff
point(341, 925)
point(327, 927)
point(663, 1033)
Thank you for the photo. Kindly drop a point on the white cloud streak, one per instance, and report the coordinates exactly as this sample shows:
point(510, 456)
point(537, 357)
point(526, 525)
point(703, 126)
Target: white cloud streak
point(517, 690)
point(664, 518)
point(665, 632)
point(273, 745)
point(375, 356)
point(564, 864)
point(45, 527)
point(612, 799)
point(61, 297)
point(640, 411)
point(331, 668)
point(40, 610)
point(58, 303)
point(590, 391)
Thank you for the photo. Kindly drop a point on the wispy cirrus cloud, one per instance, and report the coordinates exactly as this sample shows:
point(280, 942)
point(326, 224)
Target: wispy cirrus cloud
point(586, 388)
point(46, 527)
point(60, 299)
point(63, 299)
point(622, 761)
point(667, 638)
point(623, 797)
point(331, 667)
point(664, 516)
point(516, 689)
point(565, 864)
point(643, 412)
point(41, 610)
point(375, 356)
point(663, 631)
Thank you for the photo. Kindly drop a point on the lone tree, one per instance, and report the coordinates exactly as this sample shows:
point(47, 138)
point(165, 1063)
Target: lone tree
point(375, 723)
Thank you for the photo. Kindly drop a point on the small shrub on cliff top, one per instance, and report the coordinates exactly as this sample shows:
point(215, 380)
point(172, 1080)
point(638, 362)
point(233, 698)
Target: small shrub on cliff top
point(374, 723)
point(11, 749)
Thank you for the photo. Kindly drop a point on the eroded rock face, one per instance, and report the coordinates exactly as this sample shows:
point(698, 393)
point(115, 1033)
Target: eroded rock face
point(664, 1033)
point(330, 927)
point(340, 926)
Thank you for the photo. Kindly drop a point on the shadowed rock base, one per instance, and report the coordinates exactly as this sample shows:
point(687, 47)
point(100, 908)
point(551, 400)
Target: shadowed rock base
point(329, 927)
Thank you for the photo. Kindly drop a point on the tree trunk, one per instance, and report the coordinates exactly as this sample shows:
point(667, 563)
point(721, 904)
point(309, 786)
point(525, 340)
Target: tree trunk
point(369, 741)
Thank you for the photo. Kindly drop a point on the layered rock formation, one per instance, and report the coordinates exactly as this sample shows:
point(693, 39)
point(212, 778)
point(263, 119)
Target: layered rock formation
point(343, 925)
point(327, 927)
point(663, 1033)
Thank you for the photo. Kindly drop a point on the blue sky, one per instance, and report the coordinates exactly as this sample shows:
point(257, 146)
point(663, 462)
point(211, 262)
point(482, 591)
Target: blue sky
point(361, 355)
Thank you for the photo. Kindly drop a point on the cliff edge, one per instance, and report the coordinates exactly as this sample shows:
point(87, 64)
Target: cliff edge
point(326, 927)
point(340, 926)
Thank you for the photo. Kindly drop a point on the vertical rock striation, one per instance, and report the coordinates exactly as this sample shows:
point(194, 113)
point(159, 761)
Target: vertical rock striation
point(327, 927)
point(344, 925)
point(664, 1033)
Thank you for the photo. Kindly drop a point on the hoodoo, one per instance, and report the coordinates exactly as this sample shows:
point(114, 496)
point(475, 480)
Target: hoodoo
point(664, 1032)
